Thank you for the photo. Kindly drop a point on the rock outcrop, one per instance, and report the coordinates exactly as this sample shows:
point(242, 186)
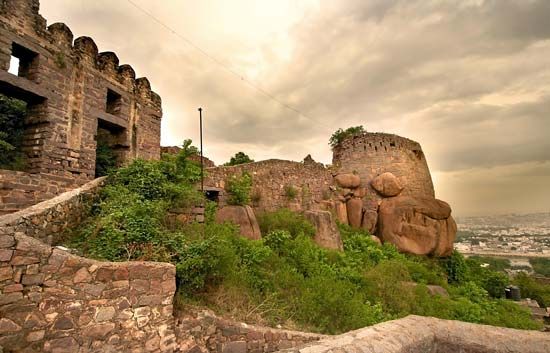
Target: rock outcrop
point(348, 180)
point(327, 234)
point(244, 217)
point(387, 185)
point(418, 225)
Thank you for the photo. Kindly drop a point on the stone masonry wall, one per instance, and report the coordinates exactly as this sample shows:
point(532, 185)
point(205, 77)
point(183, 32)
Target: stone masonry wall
point(53, 301)
point(205, 332)
point(72, 93)
point(416, 334)
point(45, 220)
point(19, 189)
point(272, 178)
point(372, 154)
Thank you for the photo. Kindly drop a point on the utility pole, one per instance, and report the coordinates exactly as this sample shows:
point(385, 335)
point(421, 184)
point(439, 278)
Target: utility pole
point(202, 162)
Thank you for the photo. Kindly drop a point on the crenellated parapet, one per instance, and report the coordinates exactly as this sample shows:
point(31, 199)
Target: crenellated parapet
point(78, 96)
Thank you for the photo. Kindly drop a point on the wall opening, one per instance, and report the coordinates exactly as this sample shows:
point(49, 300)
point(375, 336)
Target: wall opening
point(110, 148)
point(12, 131)
point(23, 62)
point(114, 103)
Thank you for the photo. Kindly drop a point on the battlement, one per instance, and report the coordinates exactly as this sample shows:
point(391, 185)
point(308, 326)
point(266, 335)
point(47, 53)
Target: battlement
point(376, 142)
point(77, 98)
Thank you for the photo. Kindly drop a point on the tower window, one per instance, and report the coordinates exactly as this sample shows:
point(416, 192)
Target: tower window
point(114, 102)
point(23, 62)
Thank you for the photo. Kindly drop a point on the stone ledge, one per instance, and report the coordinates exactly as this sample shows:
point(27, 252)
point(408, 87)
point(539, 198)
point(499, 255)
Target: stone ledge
point(414, 334)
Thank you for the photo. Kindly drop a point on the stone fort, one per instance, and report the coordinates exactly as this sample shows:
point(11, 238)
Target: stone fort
point(54, 301)
point(75, 96)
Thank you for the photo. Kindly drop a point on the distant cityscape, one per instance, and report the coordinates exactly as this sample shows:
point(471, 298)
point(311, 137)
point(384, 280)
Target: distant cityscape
point(512, 235)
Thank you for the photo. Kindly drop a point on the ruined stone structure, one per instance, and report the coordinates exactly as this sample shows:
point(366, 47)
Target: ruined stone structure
point(277, 183)
point(76, 97)
point(54, 301)
point(371, 154)
point(379, 182)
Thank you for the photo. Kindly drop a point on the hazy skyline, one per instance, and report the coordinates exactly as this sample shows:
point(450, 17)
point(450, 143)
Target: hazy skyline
point(469, 80)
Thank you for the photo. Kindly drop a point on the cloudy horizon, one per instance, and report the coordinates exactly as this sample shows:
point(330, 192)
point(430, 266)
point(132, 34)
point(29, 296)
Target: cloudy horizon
point(468, 80)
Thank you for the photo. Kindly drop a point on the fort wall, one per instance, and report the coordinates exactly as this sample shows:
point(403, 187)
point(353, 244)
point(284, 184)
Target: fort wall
point(371, 154)
point(53, 301)
point(272, 179)
point(75, 97)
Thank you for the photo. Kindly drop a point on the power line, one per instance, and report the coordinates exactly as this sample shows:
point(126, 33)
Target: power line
point(224, 66)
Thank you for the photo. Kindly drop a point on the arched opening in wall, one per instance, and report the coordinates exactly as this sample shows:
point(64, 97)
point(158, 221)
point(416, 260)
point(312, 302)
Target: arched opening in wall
point(110, 147)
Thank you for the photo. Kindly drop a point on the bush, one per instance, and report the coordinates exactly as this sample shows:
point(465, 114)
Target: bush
point(239, 158)
point(540, 266)
point(340, 135)
point(290, 192)
point(530, 288)
point(456, 268)
point(285, 219)
point(105, 159)
point(239, 189)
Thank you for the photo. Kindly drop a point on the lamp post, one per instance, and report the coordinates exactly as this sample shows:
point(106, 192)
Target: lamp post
point(202, 162)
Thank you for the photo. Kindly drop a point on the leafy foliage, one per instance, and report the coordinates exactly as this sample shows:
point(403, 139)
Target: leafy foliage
point(12, 119)
point(340, 135)
point(541, 265)
point(239, 158)
point(284, 219)
point(239, 188)
point(284, 278)
point(290, 192)
point(105, 160)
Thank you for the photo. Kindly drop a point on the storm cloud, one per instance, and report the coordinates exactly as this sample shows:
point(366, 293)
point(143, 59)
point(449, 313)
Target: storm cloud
point(469, 80)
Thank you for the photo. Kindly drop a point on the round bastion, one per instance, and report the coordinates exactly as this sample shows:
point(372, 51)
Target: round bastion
point(371, 154)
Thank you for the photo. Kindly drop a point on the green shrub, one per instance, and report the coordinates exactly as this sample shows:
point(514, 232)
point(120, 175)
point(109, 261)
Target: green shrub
point(456, 268)
point(530, 288)
point(290, 192)
point(239, 158)
point(540, 265)
point(105, 160)
point(285, 219)
point(239, 189)
point(340, 135)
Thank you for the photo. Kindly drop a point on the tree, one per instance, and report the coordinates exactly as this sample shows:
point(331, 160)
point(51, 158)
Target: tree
point(340, 135)
point(239, 158)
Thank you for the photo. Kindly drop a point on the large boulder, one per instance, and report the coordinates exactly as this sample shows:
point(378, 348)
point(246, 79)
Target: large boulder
point(355, 212)
point(370, 218)
point(341, 212)
point(348, 180)
point(244, 217)
point(417, 225)
point(387, 185)
point(327, 234)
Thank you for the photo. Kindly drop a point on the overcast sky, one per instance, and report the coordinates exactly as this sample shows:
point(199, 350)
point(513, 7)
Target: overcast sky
point(469, 80)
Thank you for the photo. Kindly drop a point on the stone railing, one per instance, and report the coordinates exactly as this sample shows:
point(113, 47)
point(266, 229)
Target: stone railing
point(205, 332)
point(416, 334)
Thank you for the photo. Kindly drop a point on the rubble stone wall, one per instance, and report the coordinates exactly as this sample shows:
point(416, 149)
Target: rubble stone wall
point(416, 334)
point(206, 332)
point(278, 183)
point(371, 154)
point(53, 301)
point(74, 96)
